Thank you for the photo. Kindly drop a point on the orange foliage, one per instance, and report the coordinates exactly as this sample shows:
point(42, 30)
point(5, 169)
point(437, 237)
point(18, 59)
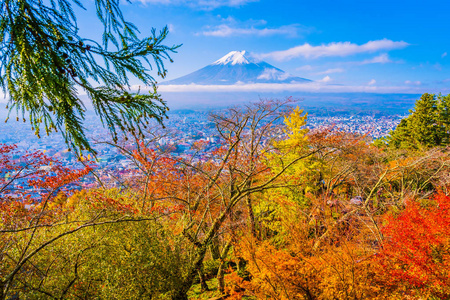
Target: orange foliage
point(414, 261)
point(345, 271)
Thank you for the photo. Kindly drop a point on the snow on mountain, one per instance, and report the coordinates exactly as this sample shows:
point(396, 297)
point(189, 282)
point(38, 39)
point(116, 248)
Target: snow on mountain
point(235, 58)
point(237, 67)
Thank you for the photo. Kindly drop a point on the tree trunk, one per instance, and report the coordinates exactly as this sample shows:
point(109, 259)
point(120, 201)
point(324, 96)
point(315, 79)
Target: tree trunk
point(214, 248)
point(240, 265)
point(220, 273)
point(220, 278)
point(2, 291)
point(201, 276)
point(181, 292)
point(251, 217)
point(251, 214)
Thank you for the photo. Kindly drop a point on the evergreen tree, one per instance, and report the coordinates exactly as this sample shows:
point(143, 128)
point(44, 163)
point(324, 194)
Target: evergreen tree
point(44, 62)
point(443, 120)
point(427, 125)
point(401, 137)
point(423, 122)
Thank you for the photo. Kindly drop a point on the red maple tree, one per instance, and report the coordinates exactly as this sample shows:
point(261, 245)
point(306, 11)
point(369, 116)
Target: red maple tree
point(417, 246)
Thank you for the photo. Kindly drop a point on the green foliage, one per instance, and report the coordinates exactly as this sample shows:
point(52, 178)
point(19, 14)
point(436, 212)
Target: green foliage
point(135, 259)
point(427, 126)
point(197, 293)
point(210, 267)
point(44, 64)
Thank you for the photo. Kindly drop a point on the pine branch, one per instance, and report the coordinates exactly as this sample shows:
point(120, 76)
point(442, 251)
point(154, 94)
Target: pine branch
point(44, 64)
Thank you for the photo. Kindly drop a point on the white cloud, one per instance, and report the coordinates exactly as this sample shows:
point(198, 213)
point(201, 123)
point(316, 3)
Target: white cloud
point(225, 30)
point(171, 28)
point(417, 83)
point(437, 66)
point(326, 79)
point(372, 82)
point(340, 49)
point(444, 54)
point(305, 68)
point(269, 74)
point(331, 71)
point(202, 4)
point(380, 59)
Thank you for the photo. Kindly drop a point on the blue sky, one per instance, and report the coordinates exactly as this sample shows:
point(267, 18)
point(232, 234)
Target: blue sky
point(385, 46)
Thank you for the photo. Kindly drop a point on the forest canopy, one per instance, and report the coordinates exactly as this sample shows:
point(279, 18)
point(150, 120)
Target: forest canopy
point(278, 211)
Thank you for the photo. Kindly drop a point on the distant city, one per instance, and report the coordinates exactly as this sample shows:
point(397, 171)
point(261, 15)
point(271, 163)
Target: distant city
point(183, 129)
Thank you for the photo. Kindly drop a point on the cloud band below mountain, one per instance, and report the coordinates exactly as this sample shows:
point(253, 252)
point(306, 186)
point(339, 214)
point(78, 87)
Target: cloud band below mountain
point(315, 87)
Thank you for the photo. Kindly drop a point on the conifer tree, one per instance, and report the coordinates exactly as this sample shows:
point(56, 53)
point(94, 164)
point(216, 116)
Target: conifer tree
point(44, 62)
point(443, 107)
point(427, 125)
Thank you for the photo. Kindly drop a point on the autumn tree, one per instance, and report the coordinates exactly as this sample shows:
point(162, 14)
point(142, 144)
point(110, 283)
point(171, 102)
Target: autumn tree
point(126, 255)
point(334, 249)
point(304, 177)
point(344, 266)
point(416, 250)
point(44, 61)
point(215, 196)
point(32, 186)
point(342, 272)
point(60, 241)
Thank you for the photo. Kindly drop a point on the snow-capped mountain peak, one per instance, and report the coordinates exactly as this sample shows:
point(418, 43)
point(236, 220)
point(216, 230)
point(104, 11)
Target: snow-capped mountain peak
point(235, 58)
point(235, 68)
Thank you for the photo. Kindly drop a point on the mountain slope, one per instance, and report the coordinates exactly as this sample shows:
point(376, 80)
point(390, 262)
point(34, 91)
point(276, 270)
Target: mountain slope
point(237, 67)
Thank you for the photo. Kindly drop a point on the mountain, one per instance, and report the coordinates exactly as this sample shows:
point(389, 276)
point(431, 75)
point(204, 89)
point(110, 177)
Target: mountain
point(237, 67)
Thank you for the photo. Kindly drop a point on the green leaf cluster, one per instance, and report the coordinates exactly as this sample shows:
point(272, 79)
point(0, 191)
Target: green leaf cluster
point(136, 259)
point(45, 64)
point(428, 124)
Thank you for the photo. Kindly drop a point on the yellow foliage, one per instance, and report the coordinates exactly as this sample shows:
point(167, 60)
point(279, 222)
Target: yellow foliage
point(300, 179)
point(295, 130)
